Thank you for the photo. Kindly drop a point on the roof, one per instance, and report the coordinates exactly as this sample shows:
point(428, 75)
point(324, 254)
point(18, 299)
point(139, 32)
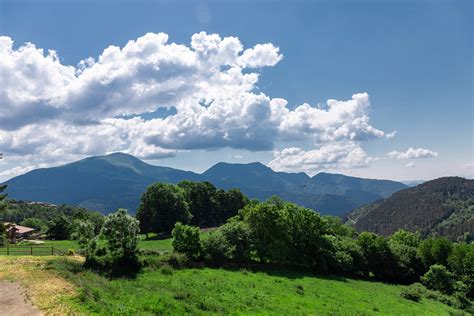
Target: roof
point(21, 229)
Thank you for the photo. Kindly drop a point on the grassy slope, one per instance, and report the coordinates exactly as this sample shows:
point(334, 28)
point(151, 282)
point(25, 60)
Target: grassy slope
point(202, 291)
point(218, 291)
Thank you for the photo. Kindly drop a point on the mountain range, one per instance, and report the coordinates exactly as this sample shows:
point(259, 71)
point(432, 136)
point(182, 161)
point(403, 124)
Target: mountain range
point(104, 183)
point(444, 207)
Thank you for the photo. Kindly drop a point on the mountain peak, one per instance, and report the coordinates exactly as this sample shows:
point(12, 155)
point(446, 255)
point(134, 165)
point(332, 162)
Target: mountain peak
point(240, 166)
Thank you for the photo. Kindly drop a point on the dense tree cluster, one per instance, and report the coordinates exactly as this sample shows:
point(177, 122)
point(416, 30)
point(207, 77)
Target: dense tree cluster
point(58, 222)
point(196, 203)
point(441, 207)
point(277, 232)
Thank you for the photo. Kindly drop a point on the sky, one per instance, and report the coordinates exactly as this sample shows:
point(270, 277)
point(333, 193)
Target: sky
point(376, 89)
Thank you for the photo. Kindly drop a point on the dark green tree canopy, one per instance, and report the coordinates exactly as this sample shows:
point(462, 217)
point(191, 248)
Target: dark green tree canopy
point(162, 205)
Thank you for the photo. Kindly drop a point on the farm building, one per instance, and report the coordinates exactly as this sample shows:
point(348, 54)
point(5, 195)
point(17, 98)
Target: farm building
point(17, 232)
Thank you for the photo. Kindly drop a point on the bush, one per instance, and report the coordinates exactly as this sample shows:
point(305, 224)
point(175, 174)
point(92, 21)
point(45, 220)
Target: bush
point(215, 248)
point(178, 260)
point(438, 278)
point(186, 239)
point(237, 235)
point(413, 292)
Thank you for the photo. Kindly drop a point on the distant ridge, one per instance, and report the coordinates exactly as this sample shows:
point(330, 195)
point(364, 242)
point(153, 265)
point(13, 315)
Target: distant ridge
point(105, 183)
point(444, 206)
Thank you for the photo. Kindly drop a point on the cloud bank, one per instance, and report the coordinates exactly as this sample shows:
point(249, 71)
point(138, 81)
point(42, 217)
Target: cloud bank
point(56, 112)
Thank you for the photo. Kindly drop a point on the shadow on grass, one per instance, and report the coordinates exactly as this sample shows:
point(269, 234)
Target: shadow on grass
point(67, 268)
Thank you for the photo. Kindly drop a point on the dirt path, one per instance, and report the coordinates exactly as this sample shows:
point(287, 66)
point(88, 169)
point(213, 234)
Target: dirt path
point(14, 302)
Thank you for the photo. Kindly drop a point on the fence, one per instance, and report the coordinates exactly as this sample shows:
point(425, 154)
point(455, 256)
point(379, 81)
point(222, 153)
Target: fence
point(30, 251)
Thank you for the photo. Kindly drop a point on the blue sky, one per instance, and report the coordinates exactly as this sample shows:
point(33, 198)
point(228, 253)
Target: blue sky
point(413, 58)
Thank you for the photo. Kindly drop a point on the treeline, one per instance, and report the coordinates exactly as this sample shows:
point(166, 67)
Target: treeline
point(57, 222)
point(277, 232)
point(196, 203)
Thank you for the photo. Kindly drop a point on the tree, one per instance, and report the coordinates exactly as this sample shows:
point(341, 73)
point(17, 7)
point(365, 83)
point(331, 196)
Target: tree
point(162, 205)
point(120, 231)
point(60, 228)
point(231, 202)
point(306, 229)
point(237, 234)
point(438, 278)
point(404, 247)
point(86, 238)
point(187, 240)
point(435, 251)
point(35, 223)
point(461, 263)
point(3, 231)
point(215, 247)
point(377, 255)
point(268, 231)
point(203, 205)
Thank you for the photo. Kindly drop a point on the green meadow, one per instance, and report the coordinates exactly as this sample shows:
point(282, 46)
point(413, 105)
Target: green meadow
point(199, 291)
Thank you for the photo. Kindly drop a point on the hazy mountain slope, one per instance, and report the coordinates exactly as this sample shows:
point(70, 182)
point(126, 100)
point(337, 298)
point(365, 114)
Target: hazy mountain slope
point(105, 183)
point(100, 183)
point(444, 206)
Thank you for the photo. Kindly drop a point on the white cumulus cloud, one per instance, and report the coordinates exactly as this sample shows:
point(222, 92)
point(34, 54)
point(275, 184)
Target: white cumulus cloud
point(51, 111)
point(413, 153)
point(329, 156)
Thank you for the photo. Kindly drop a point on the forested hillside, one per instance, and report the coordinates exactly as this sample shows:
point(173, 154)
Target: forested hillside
point(444, 206)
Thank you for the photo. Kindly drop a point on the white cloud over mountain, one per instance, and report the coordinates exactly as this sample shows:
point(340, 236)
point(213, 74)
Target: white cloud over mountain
point(413, 153)
point(52, 111)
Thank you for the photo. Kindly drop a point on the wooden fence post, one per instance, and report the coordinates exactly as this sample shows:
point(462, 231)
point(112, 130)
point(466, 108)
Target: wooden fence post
point(52, 251)
point(8, 250)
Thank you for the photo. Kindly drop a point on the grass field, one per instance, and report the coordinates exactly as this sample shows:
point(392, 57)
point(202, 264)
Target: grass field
point(163, 245)
point(59, 285)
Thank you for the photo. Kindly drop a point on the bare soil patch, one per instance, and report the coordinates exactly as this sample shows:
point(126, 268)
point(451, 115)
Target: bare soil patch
point(13, 301)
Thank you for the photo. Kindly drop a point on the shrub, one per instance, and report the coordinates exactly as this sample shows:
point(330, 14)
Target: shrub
point(186, 239)
point(215, 248)
point(237, 235)
point(438, 278)
point(413, 292)
point(440, 297)
point(178, 260)
point(85, 236)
